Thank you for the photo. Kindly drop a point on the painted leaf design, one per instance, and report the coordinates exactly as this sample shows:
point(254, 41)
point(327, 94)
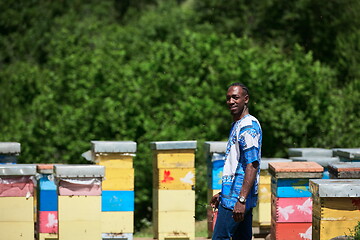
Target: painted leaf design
point(167, 177)
point(286, 211)
point(306, 207)
point(52, 221)
point(307, 235)
point(188, 178)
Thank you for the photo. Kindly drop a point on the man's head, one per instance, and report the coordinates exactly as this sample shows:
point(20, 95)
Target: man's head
point(237, 98)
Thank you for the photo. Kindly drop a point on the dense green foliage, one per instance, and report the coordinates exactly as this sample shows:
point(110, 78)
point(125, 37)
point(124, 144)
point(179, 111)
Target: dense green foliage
point(76, 71)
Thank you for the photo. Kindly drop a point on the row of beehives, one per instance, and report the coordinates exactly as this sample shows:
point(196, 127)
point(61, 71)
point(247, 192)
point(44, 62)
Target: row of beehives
point(174, 167)
point(84, 202)
point(286, 204)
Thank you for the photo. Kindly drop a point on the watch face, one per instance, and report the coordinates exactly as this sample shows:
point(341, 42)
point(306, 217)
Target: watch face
point(242, 199)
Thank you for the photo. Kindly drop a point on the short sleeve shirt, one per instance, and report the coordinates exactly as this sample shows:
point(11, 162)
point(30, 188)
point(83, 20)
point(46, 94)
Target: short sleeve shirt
point(243, 147)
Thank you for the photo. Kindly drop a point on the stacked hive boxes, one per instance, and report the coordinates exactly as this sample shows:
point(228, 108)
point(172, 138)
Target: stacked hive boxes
point(47, 204)
point(336, 206)
point(17, 201)
point(79, 201)
point(322, 156)
point(291, 212)
point(9, 152)
point(262, 212)
point(118, 187)
point(173, 189)
point(215, 158)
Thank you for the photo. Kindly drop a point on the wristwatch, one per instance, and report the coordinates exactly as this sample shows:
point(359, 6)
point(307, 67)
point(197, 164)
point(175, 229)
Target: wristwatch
point(241, 199)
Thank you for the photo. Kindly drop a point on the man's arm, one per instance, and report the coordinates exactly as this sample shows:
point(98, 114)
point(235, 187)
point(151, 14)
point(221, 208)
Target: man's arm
point(249, 179)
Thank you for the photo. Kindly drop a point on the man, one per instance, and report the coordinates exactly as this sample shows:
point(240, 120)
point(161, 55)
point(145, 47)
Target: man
point(241, 170)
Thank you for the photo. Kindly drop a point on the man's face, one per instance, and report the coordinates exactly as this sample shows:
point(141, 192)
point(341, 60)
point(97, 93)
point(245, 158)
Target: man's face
point(236, 100)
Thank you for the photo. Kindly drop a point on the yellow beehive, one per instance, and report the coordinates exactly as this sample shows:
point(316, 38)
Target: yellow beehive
point(119, 179)
point(173, 200)
point(114, 160)
point(16, 230)
point(174, 178)
point(262, 212)
point(48, 236)
point(79, 217)
point(343, 209)
point(177, 158)
point(117, 222)
point(174, 224)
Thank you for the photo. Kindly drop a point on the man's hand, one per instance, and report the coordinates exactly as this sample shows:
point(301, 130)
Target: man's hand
point(239, 211)
point(214, 202)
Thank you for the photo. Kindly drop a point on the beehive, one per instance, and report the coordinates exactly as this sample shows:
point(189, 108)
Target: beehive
point(215, 159)
point(118, 196)
point(47, 203)
point(79, 201)
point(336, 207)
point(291, 199)
point(173, 189)
point(345, 170)
point(9, 152)
point(17, 201)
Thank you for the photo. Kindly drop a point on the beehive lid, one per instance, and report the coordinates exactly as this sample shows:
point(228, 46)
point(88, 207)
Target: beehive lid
point(345, 170)
point(9, 148)
point(264, 163)
point(17, 169)
point(323, 161)
point(215, 147)
point(168, 145)
point(350, 154)
point(335, 187)
point(113, 146)
point(310, 152)
point(45, 168)
point(295, 169)
point(78, 171)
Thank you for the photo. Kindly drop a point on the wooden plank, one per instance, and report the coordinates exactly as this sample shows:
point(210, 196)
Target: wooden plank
point(292, 209)
point(48, 236)
point(174, 178)
point(118, 201)
point(79, 209)
point(47, 222)
point(174, 158)
point(290, 187)
point(324, 229)
point(17, 209)
point(176, 236)
point(339, 209)
point(123, 236)
point(293, 231)
point(171, 224)
point(47, 200)
point(114, 160)
point(16, 230)
point(173, 200)
point(117, 222)
point(89, 230)
point(119, 179)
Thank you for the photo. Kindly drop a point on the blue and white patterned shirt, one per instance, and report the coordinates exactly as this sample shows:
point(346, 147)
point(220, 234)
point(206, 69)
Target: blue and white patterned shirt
point(243, 147)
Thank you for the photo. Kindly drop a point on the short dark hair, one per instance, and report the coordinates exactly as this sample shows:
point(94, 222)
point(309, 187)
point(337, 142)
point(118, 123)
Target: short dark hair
point(242, 86)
